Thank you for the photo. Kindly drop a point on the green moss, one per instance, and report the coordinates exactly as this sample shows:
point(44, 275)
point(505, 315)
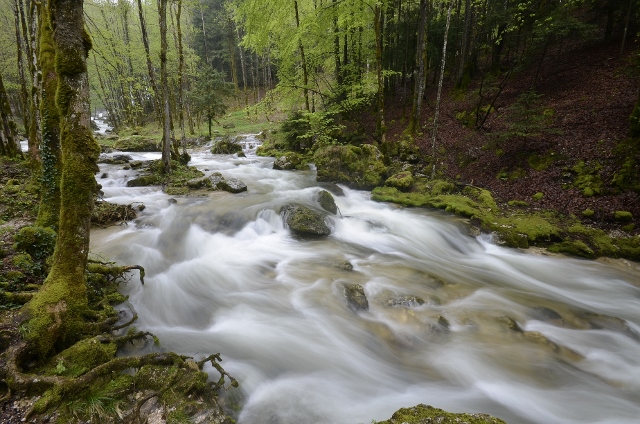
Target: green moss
point(542, 162)
point(574, 248)
point(82, 357)
point(358, 167)
point(538, 196)
point(623, 216)
point(588, 213)
point(518, 203)
point(402, 181)
point(588, 178)
point(424, 414)
point(39, 242)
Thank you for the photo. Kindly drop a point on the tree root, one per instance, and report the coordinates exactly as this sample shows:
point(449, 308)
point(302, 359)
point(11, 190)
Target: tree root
point(214, 359)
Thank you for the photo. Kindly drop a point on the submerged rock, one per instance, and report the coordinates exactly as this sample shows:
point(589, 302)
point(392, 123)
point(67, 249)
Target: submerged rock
point(427, 414)
point(355, 297)
point(304, 220)
point(202, 182)
point(326, 201)
point(408, 301)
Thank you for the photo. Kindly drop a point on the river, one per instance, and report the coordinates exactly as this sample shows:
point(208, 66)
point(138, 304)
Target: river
point(523, 336)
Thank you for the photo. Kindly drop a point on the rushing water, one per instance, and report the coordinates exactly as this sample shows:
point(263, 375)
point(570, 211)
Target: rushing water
point(525, 337)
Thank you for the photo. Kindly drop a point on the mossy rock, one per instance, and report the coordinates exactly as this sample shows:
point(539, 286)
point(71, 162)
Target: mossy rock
point(327, 202)
point(289, 161)
point(357, 167)
point(226, 146)
point(356, 298)
point(588, 213)
point(137, 143)
point(303, 220)
point(145, 181)
point(538, 196)
point(623, 216)
point(402, 181)
point(427, 414)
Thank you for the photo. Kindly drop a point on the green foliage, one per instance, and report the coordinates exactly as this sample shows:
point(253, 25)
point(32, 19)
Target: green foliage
point(38, 242)
point(209, 92)
point(303, 131)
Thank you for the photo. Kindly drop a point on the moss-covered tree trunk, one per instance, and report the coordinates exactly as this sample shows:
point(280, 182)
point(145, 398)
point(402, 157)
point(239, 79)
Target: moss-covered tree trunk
point(8, 143)
point(56, 310)
point(50, 154)
point(166, 112)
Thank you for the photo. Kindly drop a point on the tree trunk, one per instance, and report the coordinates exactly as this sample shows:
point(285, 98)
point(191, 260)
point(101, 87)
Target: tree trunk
point(150, 70)
point(180, 76)
point(166, 115)
point(437, 112)
point(56, 310)
point(421, 60)
point(24, 92)
point(305, 74)
point(380, 125)
point(50, 153)
point(9, 145)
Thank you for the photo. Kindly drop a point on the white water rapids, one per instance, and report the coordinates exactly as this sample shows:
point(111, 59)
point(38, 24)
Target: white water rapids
point(225, 275)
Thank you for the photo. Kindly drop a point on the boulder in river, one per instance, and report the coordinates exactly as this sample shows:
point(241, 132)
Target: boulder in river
point(359, 167)
point(288, 161)
point(355, 297)
point(303, 220)
point(326, 201)
point(427, 414)
point(232, 185)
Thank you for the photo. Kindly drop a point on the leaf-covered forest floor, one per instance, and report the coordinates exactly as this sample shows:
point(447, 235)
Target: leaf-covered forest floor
point(568, 141)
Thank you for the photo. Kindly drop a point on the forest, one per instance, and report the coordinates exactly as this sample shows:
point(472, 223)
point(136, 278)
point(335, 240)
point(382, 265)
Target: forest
point(520, 116)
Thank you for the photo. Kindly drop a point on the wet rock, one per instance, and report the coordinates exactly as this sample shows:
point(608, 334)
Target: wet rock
point(334, 189)
point(303, 220)
point(599, 321)
point(288, 161)
point(326, 201)
point(345, 266)
point(115, 159)
point(356, 297)
point(136, 164)
point(232, 185)
point(427, 414)
point(510, 323)
point(542, 313)
point(104, 175)
point(408, 301)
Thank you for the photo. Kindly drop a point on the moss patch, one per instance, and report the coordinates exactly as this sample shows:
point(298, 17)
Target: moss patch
point(514, 228)
point(425, 414)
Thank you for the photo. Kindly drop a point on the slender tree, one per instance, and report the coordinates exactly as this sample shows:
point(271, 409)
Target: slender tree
point(166, 113)
point(436, 115)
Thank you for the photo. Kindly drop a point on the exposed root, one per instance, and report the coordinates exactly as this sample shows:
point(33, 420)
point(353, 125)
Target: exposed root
point(214, 359)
